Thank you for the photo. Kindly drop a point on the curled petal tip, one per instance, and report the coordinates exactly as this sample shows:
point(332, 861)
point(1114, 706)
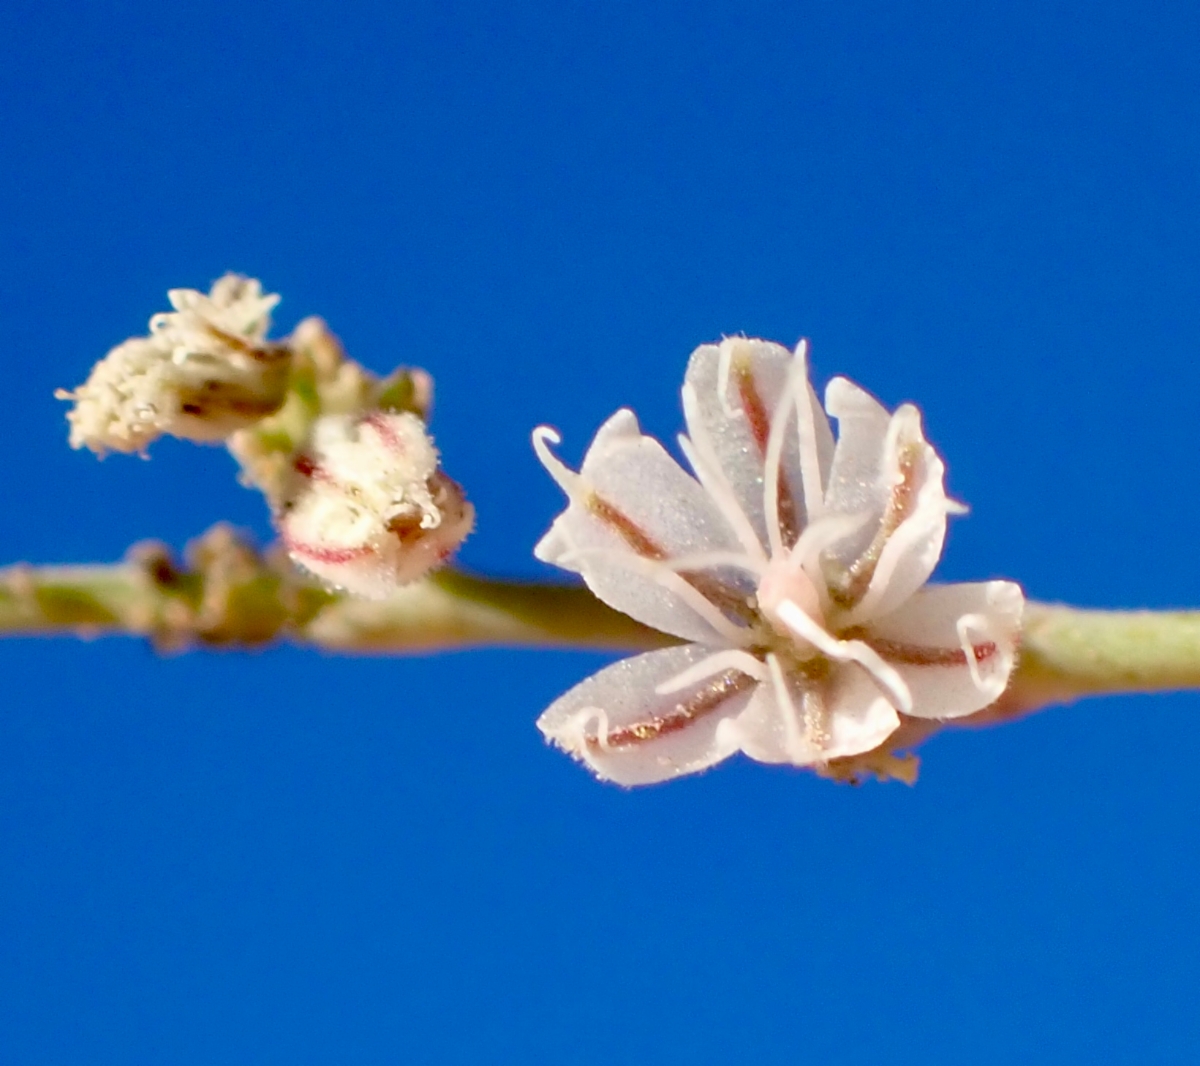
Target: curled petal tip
point(566, 478)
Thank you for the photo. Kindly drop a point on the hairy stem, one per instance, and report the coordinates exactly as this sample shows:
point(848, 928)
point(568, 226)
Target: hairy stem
point(227, 594)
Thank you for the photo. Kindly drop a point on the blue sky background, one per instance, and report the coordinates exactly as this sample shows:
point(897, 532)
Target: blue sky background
point(988, 208)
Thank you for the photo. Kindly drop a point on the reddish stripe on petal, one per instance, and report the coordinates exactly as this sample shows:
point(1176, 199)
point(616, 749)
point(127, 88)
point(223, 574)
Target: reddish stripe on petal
point(230, 340)
point(760, 429)
point(386, 433)
point(789, 520)
point(849, 586)
point(308, 467)
point(266, 353)
point(330, 556)
point(752, 405)
point(629, 531)
point(914, 655)
point(703, 702)
point(730, 601)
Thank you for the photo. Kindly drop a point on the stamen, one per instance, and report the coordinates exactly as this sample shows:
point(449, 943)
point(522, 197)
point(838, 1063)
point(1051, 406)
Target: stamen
point(717, 487)
point(568, 480)
point(900, 530)
point(883, 673)
point(662, 574)
point(964, 625)
point(717, 663)
point(797, 743)
point(703, 459)
point(724, 371)
point(852, 588)
point(584, 718)
point(707, 560)
point(810, 460)
point(731, 600)
point(821, 535)
point(680, 564)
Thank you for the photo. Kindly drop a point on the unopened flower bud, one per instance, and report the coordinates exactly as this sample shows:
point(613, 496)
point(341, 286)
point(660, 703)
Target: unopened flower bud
point(205, 371)
point(369, 509)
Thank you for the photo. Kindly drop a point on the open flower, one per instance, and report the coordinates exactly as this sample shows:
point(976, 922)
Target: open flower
point(233, 319)
point(793, 567)
point(368, 508)
point(205, 371)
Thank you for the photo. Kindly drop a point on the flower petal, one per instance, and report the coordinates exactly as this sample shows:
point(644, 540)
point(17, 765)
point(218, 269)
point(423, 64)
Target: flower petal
point(732, 392)
point(855, 484)
point(911, 552)
point(954, 645)
point(860, 719)
point(625, 731)
point(632, 509)
point(858, 457)
point(814, 723)
point(901, 489)
point(772, 727)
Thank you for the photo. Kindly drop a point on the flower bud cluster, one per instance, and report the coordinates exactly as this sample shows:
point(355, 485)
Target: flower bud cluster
point(205, 371)
point(368, 507)
point(342, 457)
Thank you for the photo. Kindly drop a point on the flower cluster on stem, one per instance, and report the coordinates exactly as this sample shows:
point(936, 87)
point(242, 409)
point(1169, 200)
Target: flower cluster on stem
point(343, 457)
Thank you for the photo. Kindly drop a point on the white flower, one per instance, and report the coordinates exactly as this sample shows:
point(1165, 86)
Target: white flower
point(205, 371)
point(794, 567)
point(369, 509)
point(233, 319)
point(129, 400)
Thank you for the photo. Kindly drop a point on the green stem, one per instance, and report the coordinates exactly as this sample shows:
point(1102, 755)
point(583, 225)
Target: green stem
point(230, 595)
point(227, 594)
point(1068, 653)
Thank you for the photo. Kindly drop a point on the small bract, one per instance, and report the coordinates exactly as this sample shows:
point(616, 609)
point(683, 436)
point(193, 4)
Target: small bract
point(793, 568)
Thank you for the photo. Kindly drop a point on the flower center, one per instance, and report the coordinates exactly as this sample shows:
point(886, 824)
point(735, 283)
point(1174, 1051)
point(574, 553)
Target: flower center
point(786, 582)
